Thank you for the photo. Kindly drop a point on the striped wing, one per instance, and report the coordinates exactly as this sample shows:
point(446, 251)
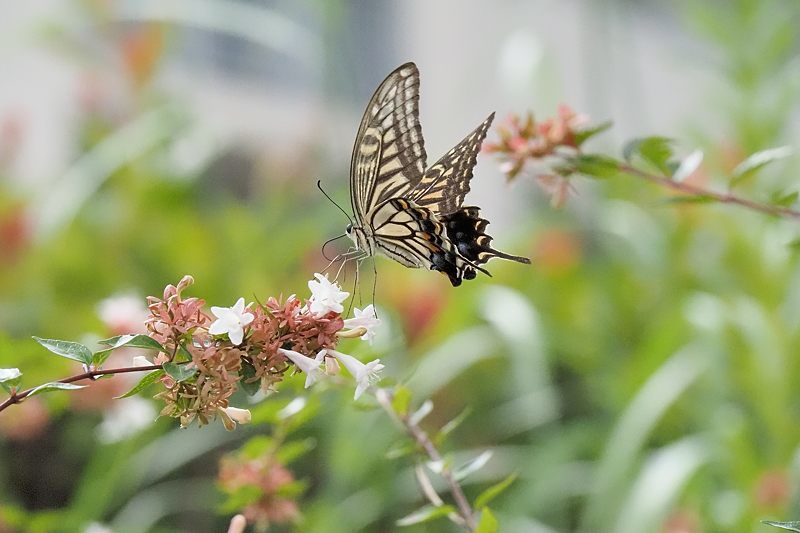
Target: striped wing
point(444, 185)
point(389, 153)
point(414, 237)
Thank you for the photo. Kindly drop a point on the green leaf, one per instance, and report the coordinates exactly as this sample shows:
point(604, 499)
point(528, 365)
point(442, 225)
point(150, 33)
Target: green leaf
point(133, 341)
point(791, 526)
point(70, 350)
point(248, 371)
point(241, 497)
point(654, 150)
point(451, 426)
point(146, 381)
point(584, 135)
point(9, 378)
point(401, 399)
point(690, 199)
point(425, 514)
point(688, 166)
point(54, 386)
point(289, 451)
point(179, 372)
point(473, 465)
point(488, 523)
point(401, 449)
point(292, 490)
point(750, 166)
point(595, 165)
point(785, 199)
point(494, 491)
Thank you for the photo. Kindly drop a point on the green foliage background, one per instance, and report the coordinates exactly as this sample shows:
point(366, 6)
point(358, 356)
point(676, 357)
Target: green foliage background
point(642, 372)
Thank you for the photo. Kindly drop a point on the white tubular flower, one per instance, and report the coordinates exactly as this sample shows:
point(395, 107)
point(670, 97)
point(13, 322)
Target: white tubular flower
point(240, 416)
point(325, 296)
point(366, 319)
point(231, 321)
point(364, 374)
point(310, 366)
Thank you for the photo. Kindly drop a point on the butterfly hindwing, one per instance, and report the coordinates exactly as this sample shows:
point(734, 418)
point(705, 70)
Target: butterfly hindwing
point(414, 237)
point(445, 184)
point(389, 153)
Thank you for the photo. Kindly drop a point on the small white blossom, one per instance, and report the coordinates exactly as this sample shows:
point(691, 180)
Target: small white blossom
point(125, 418)
point(366, 319)
point(364, 374)
point(311, 367)
point(326, 296)
point(123, 312)
point(231, 321)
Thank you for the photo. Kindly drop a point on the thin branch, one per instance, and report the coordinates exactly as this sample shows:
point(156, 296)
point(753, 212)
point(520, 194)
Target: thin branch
point(418, 434)
point(725, 198)
point(17, 397)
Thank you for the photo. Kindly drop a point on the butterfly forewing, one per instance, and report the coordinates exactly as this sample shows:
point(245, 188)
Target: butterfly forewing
point(445, 184)
point(389, 152)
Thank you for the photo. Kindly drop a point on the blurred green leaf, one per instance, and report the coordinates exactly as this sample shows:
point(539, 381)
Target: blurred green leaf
point(54, 386)
point(291, 450)
point(425, 514)
point(488, 523)
point(655, 150)
point(400, 449)
point(241, 498)
point(451, 426)
point(494, 491)
point(755, 162)
point(594, 165)
point(146, 381)
point(401, 400)
point(473, 465)
point(690, 199)
point(179, 372)
point(790, 526)
point(70, 350)
point(10, 378)
point(784, 199)
point(584, 135)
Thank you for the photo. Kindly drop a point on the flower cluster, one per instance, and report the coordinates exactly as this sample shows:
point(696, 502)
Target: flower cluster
point(207, 358)
point(526, 144)
point(270, 484)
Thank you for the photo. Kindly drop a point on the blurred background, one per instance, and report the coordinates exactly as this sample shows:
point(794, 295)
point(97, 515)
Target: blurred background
point(640, 376)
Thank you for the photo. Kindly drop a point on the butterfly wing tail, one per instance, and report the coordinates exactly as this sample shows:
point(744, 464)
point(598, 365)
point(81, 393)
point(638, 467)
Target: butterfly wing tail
point(466, 230)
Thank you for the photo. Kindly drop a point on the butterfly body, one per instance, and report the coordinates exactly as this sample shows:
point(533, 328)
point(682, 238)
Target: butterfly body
point(402, 209)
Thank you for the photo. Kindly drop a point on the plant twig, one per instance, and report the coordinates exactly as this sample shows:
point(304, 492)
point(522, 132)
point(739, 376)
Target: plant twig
point(418, 434)
point(17, 397)
point(724, 198)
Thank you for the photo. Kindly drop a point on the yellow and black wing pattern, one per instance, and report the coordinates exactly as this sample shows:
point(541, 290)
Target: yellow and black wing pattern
point(413, 215)
point(389, 153)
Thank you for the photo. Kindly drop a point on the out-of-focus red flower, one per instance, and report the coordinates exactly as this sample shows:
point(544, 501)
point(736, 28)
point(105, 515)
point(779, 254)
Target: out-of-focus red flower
point(681, 521)
point(419, 305)
point(26, 421)
point(773, 489)
point(557, 251)
point(15, 233)
point(141, 49)
point(267, 476)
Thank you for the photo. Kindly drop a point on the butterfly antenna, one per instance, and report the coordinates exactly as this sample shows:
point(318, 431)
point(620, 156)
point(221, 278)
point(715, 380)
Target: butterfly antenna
point(319, 186)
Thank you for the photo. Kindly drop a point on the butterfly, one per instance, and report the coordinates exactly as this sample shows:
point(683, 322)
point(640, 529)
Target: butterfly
point(404, 209)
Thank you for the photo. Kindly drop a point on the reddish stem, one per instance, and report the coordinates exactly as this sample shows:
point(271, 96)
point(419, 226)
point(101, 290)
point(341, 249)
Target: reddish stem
point(17, 397)
point(725, 198)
